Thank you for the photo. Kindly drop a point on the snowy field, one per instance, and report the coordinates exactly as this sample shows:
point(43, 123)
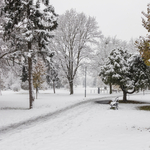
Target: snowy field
point(72, 122)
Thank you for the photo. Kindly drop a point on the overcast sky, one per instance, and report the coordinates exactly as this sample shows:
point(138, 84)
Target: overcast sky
point(120, 18)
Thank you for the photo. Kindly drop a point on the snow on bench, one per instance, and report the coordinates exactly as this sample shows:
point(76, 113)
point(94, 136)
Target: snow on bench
point(114, 103)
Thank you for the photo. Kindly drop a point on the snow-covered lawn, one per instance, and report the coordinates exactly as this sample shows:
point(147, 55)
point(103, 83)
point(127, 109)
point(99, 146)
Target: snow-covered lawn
point(91, 126)
point(14, 105)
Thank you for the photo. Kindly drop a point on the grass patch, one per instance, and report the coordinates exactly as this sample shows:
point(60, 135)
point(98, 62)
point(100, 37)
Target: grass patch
point(147, 108)
point(132, 102)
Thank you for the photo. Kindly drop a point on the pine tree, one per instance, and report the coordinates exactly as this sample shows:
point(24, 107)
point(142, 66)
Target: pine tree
point(126, 70)
point(115, 67)
point(29, 24)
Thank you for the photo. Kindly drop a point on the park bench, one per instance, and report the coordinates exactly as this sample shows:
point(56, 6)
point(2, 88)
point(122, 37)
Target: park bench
point(114, 103)
point(115, 91)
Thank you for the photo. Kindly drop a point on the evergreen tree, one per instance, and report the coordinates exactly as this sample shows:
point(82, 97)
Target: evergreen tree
point(115, 66)
point(126, 70)
point(139, 72)
point(28, 26)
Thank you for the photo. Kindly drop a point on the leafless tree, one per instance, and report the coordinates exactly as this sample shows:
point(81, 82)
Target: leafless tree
point(74, 38)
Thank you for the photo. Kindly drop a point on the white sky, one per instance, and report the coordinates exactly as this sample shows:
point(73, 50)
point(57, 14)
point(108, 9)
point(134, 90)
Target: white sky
point(120, 18)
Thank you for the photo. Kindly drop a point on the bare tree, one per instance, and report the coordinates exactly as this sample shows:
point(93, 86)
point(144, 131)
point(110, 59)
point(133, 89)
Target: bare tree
point(104, 47)
point(73, 42)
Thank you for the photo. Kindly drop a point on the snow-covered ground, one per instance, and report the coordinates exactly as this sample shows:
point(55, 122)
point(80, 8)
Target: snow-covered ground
point(90, 126)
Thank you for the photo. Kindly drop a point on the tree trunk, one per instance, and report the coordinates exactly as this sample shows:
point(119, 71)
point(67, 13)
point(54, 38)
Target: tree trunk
point(110, 88)
point(71, 70)
point(124, 96)
point(36, 92)
point(31, 92)
point(71, 87)
point(54, 86)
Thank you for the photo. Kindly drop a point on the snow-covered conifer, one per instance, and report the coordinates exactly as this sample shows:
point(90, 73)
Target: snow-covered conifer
point(116, 65)
point(28, 28)
point(126, 70)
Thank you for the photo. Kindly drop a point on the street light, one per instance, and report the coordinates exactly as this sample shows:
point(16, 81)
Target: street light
point(85, 80)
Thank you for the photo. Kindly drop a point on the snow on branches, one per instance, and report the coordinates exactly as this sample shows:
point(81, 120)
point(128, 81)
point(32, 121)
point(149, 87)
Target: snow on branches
point(126, 70)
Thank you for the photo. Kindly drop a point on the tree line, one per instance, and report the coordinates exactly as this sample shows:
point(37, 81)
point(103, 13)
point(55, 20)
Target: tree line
point(33, 34)
point(38, 44)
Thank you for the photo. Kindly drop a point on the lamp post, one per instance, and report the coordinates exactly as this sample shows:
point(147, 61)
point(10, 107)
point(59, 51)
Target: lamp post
point(85, 80)
point(0, 84)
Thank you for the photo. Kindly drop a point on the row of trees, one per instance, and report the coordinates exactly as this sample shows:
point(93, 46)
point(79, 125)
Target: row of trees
point(34, 35)
point(45, 46)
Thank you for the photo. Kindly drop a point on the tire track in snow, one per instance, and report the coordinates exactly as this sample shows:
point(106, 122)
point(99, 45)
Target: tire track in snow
point(27, 123)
